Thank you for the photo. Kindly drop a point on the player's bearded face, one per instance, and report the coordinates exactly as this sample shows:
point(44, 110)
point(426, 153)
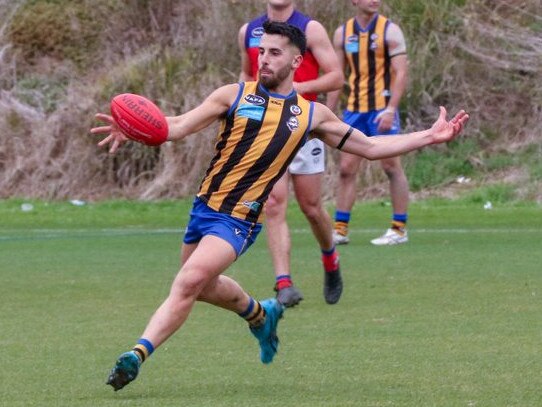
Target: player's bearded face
point(272, 78)
point(276, 60)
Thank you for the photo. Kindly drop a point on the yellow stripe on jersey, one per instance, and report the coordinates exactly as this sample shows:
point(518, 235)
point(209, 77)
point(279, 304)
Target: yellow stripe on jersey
point(369, 64)
point(257, 140)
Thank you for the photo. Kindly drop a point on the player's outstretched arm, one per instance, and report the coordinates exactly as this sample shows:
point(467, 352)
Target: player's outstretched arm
point(212, 108)
point(338, 134)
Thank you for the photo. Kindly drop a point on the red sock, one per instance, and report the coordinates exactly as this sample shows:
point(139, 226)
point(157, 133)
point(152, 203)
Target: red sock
point(330, 260)
point(283, 281)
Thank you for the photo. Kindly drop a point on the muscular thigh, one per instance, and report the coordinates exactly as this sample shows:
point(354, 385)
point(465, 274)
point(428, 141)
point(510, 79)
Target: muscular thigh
point(211, 266)
point(308, 189)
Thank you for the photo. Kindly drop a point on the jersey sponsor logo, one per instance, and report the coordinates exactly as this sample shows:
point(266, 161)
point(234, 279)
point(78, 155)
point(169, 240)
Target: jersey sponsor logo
point(251, 111)
point(386, 93)
point(352, 38)
point(316, 151)
point(351, 47)
point(373, 46)
point(254, 42)
point(237, 232)
point(254, 99)
point(255, 37)
point(292, 123)
point(254, 206)
point(374, 36)
point(295, 109)
point(257, 32)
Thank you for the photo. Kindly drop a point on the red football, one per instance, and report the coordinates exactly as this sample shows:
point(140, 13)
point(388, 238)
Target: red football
point(139, 119)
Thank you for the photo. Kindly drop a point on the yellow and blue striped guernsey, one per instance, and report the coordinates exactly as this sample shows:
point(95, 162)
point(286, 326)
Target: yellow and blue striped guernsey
point(257, 140)
point(367, 55)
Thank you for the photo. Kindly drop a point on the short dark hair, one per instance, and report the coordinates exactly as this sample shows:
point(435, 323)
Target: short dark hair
point(294, 34)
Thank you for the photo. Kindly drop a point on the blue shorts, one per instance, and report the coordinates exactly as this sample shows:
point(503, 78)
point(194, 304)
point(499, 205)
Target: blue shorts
point(206, 221)
point(365, 122)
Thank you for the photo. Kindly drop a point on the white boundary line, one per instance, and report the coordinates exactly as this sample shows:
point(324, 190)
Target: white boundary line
point(44, 234)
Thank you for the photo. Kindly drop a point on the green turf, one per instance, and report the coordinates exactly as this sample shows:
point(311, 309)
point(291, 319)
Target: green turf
point(451, 319)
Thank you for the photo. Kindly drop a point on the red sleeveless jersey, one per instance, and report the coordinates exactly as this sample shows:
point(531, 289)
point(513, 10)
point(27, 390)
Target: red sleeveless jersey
point(309, 68)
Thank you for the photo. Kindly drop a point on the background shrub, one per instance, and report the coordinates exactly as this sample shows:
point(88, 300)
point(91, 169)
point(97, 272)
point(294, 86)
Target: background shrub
point(61, 61)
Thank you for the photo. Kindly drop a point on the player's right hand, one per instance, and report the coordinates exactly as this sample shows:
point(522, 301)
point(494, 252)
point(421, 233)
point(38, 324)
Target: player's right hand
point(115, 136)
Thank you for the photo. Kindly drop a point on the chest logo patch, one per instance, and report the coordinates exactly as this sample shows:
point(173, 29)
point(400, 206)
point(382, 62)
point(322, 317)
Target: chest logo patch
point(251, 111)
point(295, 109)
point(254, 99)
point(292, 123)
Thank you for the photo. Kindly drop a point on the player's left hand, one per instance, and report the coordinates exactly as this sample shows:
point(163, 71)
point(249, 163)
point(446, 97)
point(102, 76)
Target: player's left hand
point(385, 120)
point(115, 138)
point(443, 130)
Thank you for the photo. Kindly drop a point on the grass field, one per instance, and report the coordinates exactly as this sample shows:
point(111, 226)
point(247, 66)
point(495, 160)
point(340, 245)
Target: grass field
point(453, 318)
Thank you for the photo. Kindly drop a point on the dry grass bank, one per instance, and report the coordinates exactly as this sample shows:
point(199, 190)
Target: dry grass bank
point(62, 61)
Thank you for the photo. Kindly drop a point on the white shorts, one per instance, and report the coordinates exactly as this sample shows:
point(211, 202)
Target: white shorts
point(310, 159)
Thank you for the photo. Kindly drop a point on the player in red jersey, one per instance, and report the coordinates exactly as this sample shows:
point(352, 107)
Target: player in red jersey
point(308, 167)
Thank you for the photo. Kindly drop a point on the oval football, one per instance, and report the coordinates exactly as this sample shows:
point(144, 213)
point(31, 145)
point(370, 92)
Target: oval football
point(139, 118)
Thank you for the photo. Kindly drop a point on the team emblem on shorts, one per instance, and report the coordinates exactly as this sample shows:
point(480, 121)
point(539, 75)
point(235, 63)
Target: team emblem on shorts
point(292, 123)
point(316, 151)
point(295, 109)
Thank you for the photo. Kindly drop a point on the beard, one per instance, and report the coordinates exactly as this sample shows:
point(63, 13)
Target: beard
point(273, 81)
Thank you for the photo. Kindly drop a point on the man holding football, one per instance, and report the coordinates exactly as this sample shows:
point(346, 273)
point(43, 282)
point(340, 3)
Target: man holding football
point(263, 124)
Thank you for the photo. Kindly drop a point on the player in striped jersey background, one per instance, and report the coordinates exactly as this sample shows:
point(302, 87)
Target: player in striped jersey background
point(373, 50)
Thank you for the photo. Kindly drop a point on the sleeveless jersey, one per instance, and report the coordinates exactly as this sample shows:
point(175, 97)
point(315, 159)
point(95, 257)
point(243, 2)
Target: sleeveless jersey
point(258, 137)
point(367, 55)
point(309, 67)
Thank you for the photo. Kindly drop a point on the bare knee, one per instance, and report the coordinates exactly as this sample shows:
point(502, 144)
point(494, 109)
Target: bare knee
point(392, 168)
point(188, 285)
point(312, 211)
point(348, 168)
point(346, 172)
point(278, 199)
point(274, 207)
